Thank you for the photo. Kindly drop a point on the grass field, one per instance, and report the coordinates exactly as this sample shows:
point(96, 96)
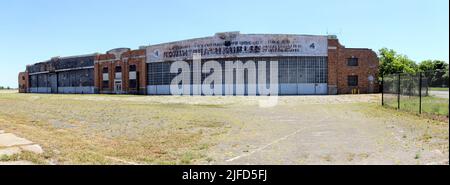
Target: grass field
point(430, 104)
point(438, 89)
point(126, 129)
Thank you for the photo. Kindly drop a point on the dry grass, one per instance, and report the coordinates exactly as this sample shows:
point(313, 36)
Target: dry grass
point(103, 129)
point(126, 129)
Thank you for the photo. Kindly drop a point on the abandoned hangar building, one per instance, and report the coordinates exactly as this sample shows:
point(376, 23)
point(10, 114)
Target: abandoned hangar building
point(307, 64)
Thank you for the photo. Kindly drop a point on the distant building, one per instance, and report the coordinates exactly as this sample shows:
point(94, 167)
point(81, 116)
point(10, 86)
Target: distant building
point(307, 64)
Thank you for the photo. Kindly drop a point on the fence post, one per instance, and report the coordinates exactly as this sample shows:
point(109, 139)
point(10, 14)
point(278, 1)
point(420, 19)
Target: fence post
point(382, 89)
point(398, 93)
point(420, 92)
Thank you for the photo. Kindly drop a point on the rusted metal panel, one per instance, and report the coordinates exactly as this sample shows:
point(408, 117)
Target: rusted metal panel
point(58, 63)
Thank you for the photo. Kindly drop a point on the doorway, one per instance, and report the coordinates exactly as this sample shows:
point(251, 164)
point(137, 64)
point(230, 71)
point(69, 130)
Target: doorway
point(118, 86)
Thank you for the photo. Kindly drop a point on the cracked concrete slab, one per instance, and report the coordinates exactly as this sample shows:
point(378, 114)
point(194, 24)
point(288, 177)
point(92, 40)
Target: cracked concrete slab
point(8, 139)
point(32, 148)
point(10, 145)
point(9, 151)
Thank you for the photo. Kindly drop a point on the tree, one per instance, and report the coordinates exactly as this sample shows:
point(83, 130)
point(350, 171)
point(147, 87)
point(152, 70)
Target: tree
point(426, 65)
point(436, 71)
point(446, 71)
point(391, 62)
point(446, 74)
point(432, 65)
point(406, 65)
point(387, 57)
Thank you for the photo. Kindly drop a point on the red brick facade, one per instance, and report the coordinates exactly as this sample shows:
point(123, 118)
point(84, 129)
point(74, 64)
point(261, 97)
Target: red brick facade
point(119, 62)
point(23, 82)
point(339, 71)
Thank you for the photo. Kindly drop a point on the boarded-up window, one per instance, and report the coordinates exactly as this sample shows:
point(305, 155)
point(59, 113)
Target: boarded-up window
point(352, 61)
point(105, 84)
point(352, 80)
point(133, 84)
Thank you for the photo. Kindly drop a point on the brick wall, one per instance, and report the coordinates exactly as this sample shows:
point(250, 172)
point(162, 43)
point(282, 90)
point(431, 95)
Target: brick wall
point(23, 82)
point(333, 55)
point(124, 59)
point(339, 70)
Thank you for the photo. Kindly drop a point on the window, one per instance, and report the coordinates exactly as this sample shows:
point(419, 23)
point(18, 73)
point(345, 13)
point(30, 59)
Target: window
point(291, 70)
point(133, 84)
point(105, 84)
point(132, 67)
point(352, 62)
point(118, 69)
point(23, 77)
point(105, 78)
point(352, 80)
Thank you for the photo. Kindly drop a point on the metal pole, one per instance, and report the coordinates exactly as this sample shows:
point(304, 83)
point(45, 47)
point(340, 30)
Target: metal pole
point(398, 93)
point(420, 92)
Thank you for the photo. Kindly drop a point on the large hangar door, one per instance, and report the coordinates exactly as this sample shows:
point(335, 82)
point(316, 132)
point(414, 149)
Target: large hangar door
point(53, 80)
point(303, 75)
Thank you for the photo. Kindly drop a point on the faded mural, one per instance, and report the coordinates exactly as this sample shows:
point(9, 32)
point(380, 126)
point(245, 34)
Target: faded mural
point(233, 44)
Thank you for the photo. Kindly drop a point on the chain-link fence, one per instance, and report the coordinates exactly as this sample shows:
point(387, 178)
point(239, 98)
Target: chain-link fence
point(424, 92)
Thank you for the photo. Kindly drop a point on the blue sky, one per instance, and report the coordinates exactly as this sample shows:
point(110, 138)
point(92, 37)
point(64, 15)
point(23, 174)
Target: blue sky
point(36, 30)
